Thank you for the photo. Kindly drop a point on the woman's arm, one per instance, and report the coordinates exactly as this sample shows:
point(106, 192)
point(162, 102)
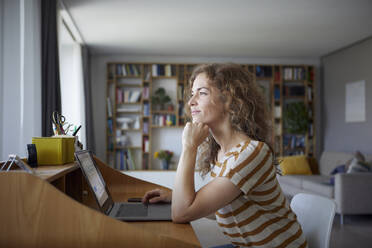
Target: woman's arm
point(187, 205)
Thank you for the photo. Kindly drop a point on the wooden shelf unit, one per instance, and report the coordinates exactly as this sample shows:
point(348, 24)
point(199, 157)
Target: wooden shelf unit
point(274, 80)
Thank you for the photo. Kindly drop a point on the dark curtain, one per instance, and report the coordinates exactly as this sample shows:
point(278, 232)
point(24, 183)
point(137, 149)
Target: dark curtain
point(88, 99)
point(50, 84)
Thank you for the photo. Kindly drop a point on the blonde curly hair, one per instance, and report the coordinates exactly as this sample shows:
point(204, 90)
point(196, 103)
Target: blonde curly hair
point(248, 109)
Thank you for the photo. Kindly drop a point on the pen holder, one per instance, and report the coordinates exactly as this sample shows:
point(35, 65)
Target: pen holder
point(54, 150)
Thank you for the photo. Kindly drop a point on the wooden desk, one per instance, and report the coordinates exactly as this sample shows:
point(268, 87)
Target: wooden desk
point(36, 214)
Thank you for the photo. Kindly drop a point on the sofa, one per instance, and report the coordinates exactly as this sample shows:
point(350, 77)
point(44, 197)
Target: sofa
point(352, 192)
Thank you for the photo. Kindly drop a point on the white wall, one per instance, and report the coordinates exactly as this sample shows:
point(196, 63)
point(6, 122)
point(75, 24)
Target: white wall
point(98, 70)
point(1, 76)
point(21, 75)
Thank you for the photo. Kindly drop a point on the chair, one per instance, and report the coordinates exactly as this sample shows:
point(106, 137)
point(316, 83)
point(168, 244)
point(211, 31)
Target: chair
point(315, 214)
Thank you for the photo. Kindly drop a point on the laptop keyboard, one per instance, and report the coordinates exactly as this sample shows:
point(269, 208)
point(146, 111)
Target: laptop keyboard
point(132, 210)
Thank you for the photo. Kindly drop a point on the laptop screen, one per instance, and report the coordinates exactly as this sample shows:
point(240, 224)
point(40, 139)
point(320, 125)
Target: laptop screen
point(93, 176)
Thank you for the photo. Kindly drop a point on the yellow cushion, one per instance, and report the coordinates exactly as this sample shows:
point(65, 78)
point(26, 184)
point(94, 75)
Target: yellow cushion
point(295, 165)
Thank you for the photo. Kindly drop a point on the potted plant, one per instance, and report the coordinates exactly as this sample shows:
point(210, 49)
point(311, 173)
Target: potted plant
point(160, 99)
point(165, 156)
point(296, 118)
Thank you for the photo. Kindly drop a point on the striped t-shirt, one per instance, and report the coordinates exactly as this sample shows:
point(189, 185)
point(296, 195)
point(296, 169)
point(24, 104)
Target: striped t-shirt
point(260, 216)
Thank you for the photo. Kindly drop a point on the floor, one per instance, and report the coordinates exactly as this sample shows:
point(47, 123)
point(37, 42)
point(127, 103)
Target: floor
point(355, 233)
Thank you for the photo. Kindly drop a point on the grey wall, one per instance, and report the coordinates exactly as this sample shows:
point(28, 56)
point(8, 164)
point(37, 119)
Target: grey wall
point(98, 70)
point(348, 65)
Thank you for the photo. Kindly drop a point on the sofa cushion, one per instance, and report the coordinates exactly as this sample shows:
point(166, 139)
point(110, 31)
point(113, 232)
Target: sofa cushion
point(318, 185)
point(295, 165)
point(293, 180)
point(329, 161)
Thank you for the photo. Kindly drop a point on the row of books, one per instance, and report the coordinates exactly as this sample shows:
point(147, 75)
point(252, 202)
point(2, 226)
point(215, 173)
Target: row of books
point(164, 120)
point(128, 70)
point(294, 73)
point(127, 96)
point(292, 141)
point(293, 90)
point(264, 71)
point(124, 160)
point(162, 70)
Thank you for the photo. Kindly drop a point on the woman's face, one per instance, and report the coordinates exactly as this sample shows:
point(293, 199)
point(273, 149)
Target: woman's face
point(205, 104)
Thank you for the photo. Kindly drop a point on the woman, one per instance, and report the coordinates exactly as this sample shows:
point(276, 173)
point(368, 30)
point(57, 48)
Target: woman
point(230, 133)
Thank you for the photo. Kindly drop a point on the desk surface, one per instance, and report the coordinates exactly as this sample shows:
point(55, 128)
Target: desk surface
point(53, 172)
point(39, 215)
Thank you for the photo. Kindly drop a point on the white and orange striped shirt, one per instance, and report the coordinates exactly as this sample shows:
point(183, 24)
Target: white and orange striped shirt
point(260, 216)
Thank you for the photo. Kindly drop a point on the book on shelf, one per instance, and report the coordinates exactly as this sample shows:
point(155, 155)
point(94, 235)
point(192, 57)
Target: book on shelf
point(309, 94)
point(146, 109)
point(180, 92)
point(263, 71)
point(164, 120)
point(162, 70)
point(127, 96)
point(277, 111)
point(109, 107)
point(294, 73)
point(145, 128)
point(276, 92)
point(146, 92)
point(145, 145)
point(127, 70)
point(110, 126)
point(148, 76)
point(145, 162)
point(130, 161)
point(181, 109)
point(293, 141)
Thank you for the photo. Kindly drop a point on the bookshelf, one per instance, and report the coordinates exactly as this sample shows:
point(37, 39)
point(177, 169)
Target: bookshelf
point(133, 120)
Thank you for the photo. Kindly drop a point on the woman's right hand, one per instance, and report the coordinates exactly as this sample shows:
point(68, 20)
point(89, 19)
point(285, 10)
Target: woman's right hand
point(157, 195)
point(194, 134)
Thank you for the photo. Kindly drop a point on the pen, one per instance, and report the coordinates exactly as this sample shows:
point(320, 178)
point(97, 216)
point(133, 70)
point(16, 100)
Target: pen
point(77, 130)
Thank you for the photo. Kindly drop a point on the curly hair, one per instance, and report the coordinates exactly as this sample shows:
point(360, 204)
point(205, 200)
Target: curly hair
point(248, 110)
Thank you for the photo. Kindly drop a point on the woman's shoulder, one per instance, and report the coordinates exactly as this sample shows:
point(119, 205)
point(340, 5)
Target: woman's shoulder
point(249, 148)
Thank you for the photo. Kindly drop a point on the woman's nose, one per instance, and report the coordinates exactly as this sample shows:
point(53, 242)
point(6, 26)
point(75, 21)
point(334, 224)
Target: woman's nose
point(192, 101)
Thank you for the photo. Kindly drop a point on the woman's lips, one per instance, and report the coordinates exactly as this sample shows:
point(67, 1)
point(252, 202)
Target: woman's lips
point(195, 112)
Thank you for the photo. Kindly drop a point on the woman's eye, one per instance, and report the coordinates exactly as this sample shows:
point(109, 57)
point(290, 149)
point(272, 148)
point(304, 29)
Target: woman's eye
point(203, 93)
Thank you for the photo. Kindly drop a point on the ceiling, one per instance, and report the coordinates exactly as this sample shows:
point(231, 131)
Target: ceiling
point(221, 28)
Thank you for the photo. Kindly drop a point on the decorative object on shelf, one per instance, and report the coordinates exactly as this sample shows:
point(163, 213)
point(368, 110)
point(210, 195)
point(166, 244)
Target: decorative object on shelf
point(165, 156)
point(160, 99)
point(296, 118)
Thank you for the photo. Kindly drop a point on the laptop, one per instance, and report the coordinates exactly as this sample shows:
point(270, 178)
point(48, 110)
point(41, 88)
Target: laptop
point(127, 211)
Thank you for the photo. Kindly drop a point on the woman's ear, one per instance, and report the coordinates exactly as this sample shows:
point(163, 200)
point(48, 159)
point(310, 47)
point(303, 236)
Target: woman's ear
point(227, 103)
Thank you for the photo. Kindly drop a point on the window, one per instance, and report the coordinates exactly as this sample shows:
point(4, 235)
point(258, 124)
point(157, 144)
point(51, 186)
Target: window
point(71, 77)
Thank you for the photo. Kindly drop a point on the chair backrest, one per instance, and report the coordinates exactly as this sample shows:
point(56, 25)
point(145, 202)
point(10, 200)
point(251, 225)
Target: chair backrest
point(315, 214)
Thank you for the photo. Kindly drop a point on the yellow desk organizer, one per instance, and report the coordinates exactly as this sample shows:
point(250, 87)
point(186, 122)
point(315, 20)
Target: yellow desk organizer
point(54, 150)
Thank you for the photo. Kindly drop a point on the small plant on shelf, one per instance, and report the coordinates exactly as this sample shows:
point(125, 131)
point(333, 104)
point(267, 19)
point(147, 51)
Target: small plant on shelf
point(160, 99)
point(165, 156)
